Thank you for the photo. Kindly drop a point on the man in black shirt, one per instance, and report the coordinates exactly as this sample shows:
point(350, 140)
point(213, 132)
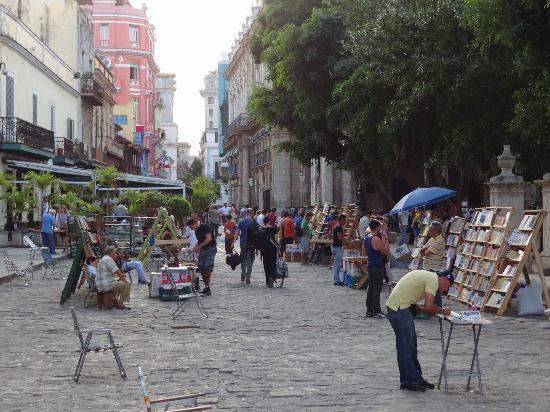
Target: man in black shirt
point(206, 247)
point(338, 242)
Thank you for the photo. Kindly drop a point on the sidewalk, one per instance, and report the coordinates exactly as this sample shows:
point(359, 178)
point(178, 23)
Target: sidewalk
point(20, 257)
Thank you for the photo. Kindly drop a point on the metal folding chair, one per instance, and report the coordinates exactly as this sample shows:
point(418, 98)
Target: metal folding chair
point(189, 402)
point(182, 299)
point(86, 346)
point(21, 276)
point(33, 248)
point(51, 265)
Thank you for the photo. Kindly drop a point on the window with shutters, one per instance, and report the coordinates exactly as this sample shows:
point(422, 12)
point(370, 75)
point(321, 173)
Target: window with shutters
point(134, 71)
point(34, 108)
point(70, 128)
point(104, 32)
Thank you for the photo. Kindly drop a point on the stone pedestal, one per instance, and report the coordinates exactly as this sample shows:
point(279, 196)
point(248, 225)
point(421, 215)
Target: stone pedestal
point(507, 189)
point(545, 185)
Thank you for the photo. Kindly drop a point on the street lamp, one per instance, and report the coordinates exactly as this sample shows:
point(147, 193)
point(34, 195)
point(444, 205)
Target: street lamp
point(301, 178)
point(251, 184)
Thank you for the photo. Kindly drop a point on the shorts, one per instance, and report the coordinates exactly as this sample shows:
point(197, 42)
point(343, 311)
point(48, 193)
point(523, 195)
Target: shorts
point(305, 241)
point(206, 260)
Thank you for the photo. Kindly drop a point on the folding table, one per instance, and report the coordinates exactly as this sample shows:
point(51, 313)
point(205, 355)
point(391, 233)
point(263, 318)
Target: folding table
point(476, 324)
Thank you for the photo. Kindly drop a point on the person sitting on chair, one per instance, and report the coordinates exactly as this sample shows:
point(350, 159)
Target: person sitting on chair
point(127, 266)
point(111, 279)
point(92, 262)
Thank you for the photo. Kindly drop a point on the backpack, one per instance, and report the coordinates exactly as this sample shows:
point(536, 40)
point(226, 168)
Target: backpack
point(252, 232)
point(261, 239)
point(298, 228)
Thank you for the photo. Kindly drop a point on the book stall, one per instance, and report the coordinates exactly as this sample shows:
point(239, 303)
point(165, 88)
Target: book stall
point(421, 240)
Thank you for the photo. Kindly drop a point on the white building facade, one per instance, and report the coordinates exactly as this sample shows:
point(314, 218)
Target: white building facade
point(209, 152)
point(166, 87)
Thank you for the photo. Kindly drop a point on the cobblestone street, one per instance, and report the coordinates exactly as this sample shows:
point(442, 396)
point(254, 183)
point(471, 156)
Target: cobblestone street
point(304, 347)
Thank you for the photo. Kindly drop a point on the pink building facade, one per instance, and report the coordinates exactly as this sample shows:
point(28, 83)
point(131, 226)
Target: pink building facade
point(126, 41)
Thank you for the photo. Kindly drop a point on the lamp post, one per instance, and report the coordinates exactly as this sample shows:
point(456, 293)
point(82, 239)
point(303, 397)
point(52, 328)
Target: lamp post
point(301, 178)
point(251, 184)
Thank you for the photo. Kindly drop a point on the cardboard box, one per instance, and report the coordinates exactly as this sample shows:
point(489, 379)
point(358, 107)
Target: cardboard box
point(402, 253)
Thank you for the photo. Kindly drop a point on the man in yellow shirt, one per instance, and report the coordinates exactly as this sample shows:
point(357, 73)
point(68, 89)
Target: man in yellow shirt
point(433, 252)
point(413, 287)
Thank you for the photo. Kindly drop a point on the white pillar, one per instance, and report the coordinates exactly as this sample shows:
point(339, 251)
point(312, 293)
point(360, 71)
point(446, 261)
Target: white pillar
point(347, 188)
point(327, 182)
point(507, 189)
point(244, 175)
point(314, 183)
point(545, 185)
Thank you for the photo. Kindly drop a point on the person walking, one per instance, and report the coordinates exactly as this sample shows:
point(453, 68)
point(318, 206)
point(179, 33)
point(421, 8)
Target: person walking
point(214, 217)
point(63, 224)
point(338, 243)
point(206, 248)
point(363, 225)
point(298, 226)
point(269, 251)
point(47, 230)
point(401, 306)
point(273, 216)
point(305, 239)
point(260, 218)
point(229, 229)
point(288, 231)
point(247, 246)
point(375, 247)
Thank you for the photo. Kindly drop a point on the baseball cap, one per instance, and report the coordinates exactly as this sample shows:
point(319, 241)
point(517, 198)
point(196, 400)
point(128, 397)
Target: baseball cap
point(447, 274)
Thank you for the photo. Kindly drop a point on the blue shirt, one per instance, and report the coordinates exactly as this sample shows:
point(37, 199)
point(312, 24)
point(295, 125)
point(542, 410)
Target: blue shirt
point(48, 221)
point(376, 258)
point(244, 224)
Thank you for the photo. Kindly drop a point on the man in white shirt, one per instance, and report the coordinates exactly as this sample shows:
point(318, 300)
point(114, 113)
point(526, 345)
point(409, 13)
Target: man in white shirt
point(111, 279)
point(260, 218)
point(403, 226)
point(224, 211)
point(363, 224)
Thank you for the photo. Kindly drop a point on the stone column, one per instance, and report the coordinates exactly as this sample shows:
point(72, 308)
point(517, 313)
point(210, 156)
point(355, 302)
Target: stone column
point(282, 185)
point(245, 175)
point(327, 183)
point(545, 185)
point(314, 183)
point(347, 188)
point(507, 189)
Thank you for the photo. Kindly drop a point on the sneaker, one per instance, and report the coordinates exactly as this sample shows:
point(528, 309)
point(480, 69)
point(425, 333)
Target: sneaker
point(369, 315)
point(206, 291)
point(143, 282)
point(338, 283)
point(270, 283)
point(415, 387)
point(380, 315)
point(248, 282)
point(427, 384)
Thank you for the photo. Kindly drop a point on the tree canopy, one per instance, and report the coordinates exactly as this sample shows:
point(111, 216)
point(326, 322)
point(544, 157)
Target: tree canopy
point(388, 88)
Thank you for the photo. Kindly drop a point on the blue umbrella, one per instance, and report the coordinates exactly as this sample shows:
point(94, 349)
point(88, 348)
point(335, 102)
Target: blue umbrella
point(422, 196)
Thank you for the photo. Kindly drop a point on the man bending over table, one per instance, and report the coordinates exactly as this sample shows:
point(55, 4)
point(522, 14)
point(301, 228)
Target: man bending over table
point(111, 279)
point(413, 287)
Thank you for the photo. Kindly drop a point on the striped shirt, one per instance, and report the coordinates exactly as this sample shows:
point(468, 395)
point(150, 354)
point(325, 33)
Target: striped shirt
point(436, 260)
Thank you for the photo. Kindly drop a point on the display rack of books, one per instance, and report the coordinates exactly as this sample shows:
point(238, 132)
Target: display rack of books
point(420, 240)
point(479, 254)
point(520, 245)
point(455, 229)
point(352, 217)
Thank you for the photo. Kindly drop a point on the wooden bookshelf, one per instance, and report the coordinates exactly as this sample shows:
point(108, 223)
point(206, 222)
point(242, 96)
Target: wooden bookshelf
point(453, 242)
point(520, 246)
point(420, 240)
point(480, 251)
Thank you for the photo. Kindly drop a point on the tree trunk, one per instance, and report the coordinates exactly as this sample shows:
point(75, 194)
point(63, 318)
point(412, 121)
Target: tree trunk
point(383, 191)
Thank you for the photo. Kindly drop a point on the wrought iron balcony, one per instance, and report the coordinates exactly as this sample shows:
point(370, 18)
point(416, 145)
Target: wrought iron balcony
point(239, 125)
point(14, 131)
point(91, 91)
point(260, 159)
point(64, 147)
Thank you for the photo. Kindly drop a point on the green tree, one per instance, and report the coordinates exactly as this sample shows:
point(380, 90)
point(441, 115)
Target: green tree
point(19, 202)
point(74, 203)
point(133, 199)
point(179, 207)
point(153, 200)
point(42, 180)
point(205, 192)
point(107, 177)
point(6, 180)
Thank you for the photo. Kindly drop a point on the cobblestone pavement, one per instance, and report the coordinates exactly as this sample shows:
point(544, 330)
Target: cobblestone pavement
point(304, 347)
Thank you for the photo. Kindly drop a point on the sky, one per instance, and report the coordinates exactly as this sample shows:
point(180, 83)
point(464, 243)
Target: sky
point(191, 37)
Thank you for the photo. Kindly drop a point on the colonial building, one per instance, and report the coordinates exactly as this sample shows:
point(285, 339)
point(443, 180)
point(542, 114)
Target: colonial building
point(209, 150)
point(166, 88)
point(126, 41)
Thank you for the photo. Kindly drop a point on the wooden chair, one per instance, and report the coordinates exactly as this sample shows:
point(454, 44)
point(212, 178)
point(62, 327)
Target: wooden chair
point(51, 265)
point(87, 347)
point(21, 276)
point(188, 402)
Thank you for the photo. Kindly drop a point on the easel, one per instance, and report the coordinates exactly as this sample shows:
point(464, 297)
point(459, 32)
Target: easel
point(513, 263)
point(154, 238)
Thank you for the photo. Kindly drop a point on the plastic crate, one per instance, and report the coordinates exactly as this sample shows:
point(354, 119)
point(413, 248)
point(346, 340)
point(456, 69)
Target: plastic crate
point(167, 295)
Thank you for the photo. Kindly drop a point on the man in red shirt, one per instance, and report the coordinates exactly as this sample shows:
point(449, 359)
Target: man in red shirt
point(273, 217)
point(288, 231)
point(229, 229)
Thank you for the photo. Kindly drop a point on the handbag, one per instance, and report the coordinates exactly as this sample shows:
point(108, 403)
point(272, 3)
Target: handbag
point(233, 260)
point(281, 269)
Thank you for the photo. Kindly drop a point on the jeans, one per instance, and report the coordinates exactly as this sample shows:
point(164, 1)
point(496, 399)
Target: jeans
point(215, 228)
point(247, 260)
point(48, 241)
point(402, 323)
point(416, 231)
point(338, 255)
point(404, 234)
point(138, 266)
point(376, 280)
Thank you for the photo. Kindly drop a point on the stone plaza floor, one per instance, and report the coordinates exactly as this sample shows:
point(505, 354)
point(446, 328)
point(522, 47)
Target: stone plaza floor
point(304, 347)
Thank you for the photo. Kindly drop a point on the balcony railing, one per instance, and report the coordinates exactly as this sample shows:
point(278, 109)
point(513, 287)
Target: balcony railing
point(240, 124)
point(14, 130)
point(91, 91)
point(81, 151)
point(260, 159)
point(98, 154)
point(64, 147)
point(115, 148)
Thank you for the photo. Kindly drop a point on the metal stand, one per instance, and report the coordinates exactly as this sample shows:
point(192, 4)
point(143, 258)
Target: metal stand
point(443, 375)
